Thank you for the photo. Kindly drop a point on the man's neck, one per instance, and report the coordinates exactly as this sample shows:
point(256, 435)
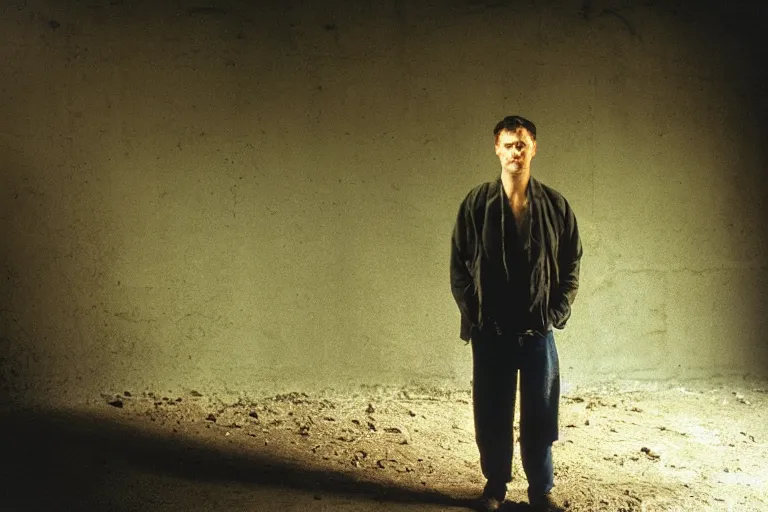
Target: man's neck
point(516, 186)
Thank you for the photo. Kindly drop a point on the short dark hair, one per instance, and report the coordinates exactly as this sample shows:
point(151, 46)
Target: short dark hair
point(512, 123)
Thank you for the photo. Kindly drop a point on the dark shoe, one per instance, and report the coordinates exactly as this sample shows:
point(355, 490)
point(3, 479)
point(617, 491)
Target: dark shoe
point(545, 503)
point(493, 496)
point(489, 504)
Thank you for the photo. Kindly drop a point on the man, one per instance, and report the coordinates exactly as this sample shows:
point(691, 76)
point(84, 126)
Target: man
point(514, 274)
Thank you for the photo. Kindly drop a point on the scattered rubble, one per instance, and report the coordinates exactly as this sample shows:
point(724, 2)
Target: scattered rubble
point(650, 453)
point(413, 439)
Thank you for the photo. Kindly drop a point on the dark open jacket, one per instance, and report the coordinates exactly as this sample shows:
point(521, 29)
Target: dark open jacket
point(551, 238)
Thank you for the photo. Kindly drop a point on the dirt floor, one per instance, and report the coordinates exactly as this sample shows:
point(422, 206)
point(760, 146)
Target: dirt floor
point(629, 447)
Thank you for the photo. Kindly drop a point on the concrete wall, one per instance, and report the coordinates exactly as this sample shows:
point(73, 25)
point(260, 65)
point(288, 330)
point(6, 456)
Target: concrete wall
point(236, 198)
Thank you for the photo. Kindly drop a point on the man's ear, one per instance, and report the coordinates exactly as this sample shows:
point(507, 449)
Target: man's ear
point(533, 152)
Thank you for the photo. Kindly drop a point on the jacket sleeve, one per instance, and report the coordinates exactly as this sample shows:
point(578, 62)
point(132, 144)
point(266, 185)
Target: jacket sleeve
point(568, 262)
point(462, 283)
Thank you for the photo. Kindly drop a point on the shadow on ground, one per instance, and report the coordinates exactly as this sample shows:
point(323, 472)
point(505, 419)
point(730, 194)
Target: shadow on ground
point(76, 461)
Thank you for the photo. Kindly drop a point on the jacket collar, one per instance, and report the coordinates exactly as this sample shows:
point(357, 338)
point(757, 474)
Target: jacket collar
point(534, 188)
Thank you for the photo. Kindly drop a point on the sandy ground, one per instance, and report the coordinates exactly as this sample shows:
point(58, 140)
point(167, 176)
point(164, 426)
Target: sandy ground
point(629, 447)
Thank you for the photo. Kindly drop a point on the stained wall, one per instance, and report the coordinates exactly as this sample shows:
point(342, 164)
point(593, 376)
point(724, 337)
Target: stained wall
point(255, 198)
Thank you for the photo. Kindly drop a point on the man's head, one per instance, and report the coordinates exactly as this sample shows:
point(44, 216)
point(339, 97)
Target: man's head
point(515, 144)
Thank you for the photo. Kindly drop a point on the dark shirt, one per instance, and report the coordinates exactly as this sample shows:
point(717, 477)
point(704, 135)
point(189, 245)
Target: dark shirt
point(495, 281)
point(512, 302)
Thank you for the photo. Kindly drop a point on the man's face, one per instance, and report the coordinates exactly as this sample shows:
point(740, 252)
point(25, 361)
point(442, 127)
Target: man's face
point(515, 150)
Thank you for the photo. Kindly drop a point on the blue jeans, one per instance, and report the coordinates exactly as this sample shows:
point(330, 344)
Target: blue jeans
point(497, 359)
